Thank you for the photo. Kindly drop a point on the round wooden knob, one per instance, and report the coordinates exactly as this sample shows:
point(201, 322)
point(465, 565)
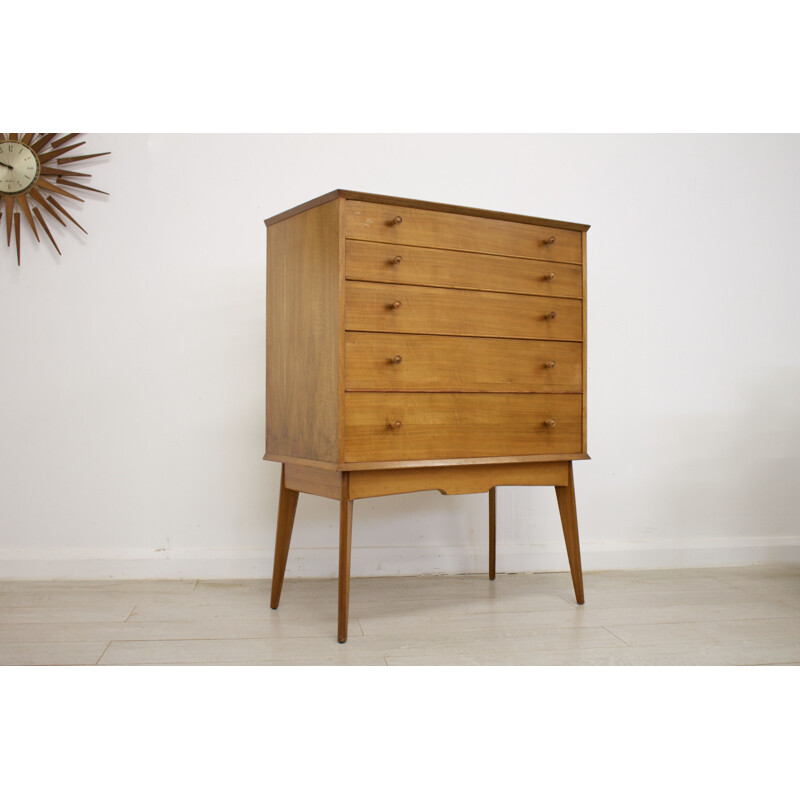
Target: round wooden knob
point(551, 240)
point(397, 221)
point(551, 276)
point(396, 260)
point(397, 304)
point(550, 423)
point(397, 360)
point(550, 315)
point(550, 365)
point(397, 424)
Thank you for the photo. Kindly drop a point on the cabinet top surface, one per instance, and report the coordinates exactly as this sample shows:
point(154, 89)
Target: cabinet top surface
point(346, 194)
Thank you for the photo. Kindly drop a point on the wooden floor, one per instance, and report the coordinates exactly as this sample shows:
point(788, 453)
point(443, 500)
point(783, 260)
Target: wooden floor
point(711, 616)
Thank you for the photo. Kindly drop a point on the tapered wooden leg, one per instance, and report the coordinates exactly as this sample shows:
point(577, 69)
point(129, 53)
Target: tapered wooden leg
point(287, 505)
point(345, 537)
point(492, 532)
point(569, 522)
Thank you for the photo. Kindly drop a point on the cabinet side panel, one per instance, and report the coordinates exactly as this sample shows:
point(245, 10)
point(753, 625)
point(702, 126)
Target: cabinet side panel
point(303, 335)
point(585, 353)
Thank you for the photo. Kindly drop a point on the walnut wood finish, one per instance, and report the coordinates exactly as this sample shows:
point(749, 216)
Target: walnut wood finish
point(345, 542)
point(569, 523)
point(287, 506)
point(460, 312)
point(374, 222)
point(302, 335)
point(492, 533)
point(313, 480)
point(458, 425)
point(585, 367)
point(425, 266)
point(465, 479)
point(459, 364)
point(364, 466)
point(407, 202)
point(346, 487)
point(414, 346)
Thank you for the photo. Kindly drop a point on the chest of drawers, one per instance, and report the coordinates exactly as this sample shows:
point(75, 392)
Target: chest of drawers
point(415, 346)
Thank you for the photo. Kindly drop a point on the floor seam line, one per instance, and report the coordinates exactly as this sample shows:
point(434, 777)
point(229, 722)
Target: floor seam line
point(616, 636)
point(105, 650)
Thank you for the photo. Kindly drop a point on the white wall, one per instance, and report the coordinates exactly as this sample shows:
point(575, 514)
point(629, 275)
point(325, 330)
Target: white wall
point(132, 367)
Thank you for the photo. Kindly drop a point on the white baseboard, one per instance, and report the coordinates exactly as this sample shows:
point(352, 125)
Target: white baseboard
point(97, 564)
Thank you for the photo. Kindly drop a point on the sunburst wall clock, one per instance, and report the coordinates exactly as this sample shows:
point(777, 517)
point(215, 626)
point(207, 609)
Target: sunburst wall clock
point(31, 173)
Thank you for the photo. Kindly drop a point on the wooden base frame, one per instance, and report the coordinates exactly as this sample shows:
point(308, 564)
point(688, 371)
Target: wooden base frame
point(467, 479)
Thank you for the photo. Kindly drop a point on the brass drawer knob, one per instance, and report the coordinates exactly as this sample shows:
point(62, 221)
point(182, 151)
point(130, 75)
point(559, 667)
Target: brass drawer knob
point(396, 260)
point(397, 424)
point(397, 221)
point(550, 276)
point(396, 360)
point(550, 423)
point(550, 365)
point(396, 305)
point(550, 315)
point(551, 240)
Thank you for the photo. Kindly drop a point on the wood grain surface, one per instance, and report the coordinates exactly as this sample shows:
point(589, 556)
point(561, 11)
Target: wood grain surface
point(444, 425)
point(375, 223)
point(303, 335)
point(426, 266)
point(460, 312)
point(459, 364)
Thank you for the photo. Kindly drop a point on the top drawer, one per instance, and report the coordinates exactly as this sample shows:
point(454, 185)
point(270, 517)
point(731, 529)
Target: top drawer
point(401, 225)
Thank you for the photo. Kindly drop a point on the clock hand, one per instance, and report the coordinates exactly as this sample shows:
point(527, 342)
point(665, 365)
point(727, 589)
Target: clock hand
point(6, 165)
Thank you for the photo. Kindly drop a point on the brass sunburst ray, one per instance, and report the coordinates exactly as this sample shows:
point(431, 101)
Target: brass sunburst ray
point(64, 139)
point(23, 191)
point(42, 201)
point(16, 234)
point(65, 182)
point(72, 159)
point(46, 229)
point(51, 187)
point(42, 141)
point(9, 217)
point(64, 172)
point(51, 154)
point(58, 205)
point(26, 210)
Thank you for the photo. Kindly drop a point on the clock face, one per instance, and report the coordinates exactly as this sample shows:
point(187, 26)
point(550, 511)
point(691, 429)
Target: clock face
point(19, 168)
point(36, 176)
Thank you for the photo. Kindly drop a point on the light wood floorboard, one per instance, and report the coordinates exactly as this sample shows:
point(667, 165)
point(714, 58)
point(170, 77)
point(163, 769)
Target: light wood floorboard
point(715, 616)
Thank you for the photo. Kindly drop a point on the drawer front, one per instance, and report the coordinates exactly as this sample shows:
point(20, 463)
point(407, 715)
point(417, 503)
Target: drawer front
point(374, 222)
point(416, 363)
point(390, 263)
point(394, 308)
point(445, 425)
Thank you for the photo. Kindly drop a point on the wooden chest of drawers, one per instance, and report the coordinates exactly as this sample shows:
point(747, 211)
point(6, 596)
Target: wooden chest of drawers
point(414, 345)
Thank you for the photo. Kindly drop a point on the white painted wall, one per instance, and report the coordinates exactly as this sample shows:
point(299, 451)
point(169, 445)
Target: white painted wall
point(132, 367)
